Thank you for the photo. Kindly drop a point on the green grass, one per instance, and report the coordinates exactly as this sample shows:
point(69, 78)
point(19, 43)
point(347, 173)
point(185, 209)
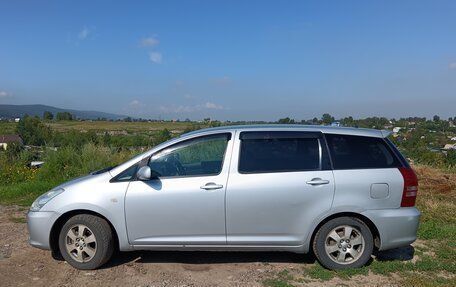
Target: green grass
point(426, 280)
point(7, 128)
point(282, 279)
point(427, 267)
point(21, 185)
point(316, 271)
point(24, 193)
point(119, 126)
point(432, 229)
point(18, 219)
point(276, 282)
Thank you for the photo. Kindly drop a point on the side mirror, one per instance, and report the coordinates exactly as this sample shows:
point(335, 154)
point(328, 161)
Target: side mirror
point(144, 173)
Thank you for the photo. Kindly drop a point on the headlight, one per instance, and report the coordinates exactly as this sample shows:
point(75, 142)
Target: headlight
point(44, 198)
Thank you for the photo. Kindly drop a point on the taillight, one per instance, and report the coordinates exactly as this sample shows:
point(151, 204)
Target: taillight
point(410, 187)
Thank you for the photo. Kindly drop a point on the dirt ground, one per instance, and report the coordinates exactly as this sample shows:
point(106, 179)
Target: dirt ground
point(22, 265)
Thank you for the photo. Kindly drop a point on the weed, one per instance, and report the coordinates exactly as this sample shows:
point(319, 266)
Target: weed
point(318, 272)
point(276, 283)
point(18, 219)
point(285, 275)
point(24, 193)
point(413, 279)
point(7, 127)
point(282, 279)
point(432, 229)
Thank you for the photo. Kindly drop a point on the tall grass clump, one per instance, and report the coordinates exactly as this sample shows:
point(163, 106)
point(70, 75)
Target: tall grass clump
point(14, 168)
point(69, 161)
point(21, 184)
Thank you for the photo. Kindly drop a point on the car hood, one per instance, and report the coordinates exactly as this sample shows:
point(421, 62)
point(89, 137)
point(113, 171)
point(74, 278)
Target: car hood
point(82, 178)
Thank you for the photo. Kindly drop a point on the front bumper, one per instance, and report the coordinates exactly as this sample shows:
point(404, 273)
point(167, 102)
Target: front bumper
point(397, 227)
point(39, 224)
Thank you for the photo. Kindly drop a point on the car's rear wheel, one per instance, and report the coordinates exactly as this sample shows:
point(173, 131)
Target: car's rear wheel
point(86, 241)
point(343, 243)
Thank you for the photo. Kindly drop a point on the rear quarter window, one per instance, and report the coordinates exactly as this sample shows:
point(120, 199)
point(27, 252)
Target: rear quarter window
point(358, 152)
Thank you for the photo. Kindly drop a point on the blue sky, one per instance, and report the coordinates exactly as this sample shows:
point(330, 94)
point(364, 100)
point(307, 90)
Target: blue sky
point(231, 60)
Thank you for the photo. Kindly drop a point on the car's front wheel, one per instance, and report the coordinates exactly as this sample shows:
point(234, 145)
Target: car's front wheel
point(86, 241)
point(342, 243)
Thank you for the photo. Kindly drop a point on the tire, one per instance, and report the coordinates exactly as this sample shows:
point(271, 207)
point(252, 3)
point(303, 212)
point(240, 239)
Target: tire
point(86, 241)
point(343, 243)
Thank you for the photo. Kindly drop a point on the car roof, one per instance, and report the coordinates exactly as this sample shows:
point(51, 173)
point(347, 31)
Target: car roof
point(295, 127)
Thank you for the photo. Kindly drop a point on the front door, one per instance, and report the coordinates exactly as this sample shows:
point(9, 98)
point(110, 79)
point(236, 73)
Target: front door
point(185, 203)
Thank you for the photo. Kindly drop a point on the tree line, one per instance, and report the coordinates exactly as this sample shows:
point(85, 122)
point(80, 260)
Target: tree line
point(420, 139)
point(62, 116)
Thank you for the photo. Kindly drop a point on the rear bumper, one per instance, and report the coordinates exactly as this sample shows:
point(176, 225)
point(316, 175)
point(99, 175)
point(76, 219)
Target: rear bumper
point(39, 224)
point(397, 227)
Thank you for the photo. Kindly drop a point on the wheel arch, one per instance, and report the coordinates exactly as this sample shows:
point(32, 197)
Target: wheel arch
point(366, 220)
point(58, 224)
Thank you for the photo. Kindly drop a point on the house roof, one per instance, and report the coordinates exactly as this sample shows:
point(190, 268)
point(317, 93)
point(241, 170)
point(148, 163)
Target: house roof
point(10, 138)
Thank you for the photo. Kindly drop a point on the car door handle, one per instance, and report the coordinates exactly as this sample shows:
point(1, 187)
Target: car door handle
point(317, 181)
point(211, 186)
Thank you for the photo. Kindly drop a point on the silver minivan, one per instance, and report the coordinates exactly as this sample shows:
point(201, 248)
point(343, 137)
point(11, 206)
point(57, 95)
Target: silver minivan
point(340, 193)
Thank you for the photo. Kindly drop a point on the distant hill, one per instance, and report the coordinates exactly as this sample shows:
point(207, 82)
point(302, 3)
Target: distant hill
point(18, 111)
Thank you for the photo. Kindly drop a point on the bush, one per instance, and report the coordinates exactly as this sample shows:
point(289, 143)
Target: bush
point(11, 174)
point(451, 158)
point(68, 162)
point(15, 168)
point(162, 136)
point(33, 131)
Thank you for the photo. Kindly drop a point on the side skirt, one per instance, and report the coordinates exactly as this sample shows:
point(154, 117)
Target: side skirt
point(294, 249)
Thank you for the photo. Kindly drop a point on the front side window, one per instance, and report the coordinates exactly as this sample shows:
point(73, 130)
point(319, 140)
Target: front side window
point(278, 152)
point(195, 157)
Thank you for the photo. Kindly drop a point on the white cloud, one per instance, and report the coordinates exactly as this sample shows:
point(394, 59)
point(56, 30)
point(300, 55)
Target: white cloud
point(148, 42)
point(4, 94)
point(212, 106)
point(135, 107)
point(190, 109)
point(178, 109)
point(83, 34)
point(155, 57)
point(452, 66)
point(135, 104)
point(188, 96)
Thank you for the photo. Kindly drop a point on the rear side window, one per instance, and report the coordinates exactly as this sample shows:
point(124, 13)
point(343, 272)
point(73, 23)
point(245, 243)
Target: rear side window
point(356, 152)
point(263, 152)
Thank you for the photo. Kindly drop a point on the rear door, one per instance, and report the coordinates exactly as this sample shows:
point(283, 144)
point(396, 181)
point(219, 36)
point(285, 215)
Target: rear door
point(366, 172)
point(279, 182)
